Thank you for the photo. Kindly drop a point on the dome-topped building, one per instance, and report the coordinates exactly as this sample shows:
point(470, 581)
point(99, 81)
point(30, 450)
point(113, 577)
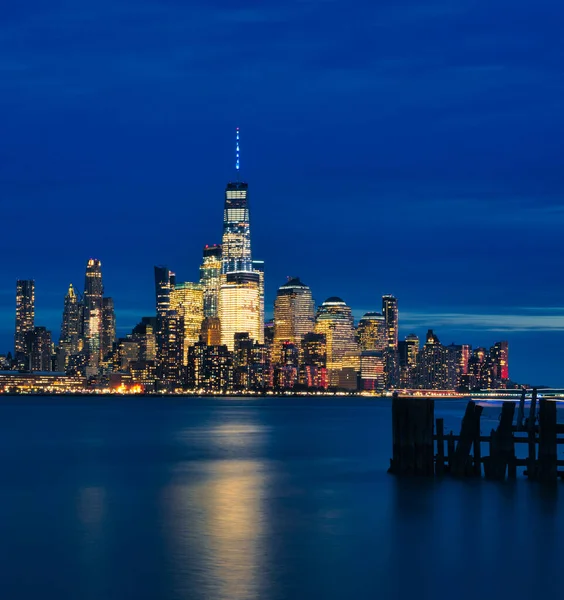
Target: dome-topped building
point(293, 314)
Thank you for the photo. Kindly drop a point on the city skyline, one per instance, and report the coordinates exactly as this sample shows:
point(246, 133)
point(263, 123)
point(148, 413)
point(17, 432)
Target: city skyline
point(416, 153)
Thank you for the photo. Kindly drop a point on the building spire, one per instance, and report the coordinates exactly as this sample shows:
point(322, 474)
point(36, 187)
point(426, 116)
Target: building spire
point(237, 154)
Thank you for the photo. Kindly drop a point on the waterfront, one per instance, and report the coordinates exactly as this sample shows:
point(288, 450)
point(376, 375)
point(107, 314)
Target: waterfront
point(252, 498)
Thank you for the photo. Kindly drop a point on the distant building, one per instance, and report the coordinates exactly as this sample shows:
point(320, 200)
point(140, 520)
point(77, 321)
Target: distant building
point(391, 316)
point(210, 332)
point(92, 315)
point(407, 355)
point(239, 308)
point(25, 318)
point(40, 349)
point(372, 370)
point(187, 299)
point(372, 333)
point(334, 319)
point(210, 367)
point(313, 368)
point(210, 279)
point(294, 315)
point(69, 341)
point(108, 327)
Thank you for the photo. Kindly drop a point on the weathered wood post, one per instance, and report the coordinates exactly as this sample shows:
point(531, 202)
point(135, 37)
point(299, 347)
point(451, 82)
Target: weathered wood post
point(531, 460)
point(440, 460)
point(547, 471)
point(521, 411)
point(502, 448)
point(412, 432)
point(461, 463)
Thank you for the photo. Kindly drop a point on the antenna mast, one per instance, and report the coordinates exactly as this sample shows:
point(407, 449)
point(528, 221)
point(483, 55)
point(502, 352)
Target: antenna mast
point(237, 155)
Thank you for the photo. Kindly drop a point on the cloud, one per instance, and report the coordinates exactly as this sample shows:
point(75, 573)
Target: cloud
point(488, 322)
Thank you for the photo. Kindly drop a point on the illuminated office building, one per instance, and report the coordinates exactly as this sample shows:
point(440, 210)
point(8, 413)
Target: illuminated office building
point(258, 267)
point(210, 279)
point(371, 332)
point(40, 349)
point(210, 367)
point(70, 327)
point(92, 315)
point(171, 352)
point(313, 371)
point(372, 370)
point(407, 356)
point(165, 280)
point(499, 356)
point(294, 315)
point(211, 331)
point(334, 319)
point(390, 312)
point(239, 308)
point(236, 239)
point(187, 299)
point(108, 327)
point(25, 314)
point(144, 335)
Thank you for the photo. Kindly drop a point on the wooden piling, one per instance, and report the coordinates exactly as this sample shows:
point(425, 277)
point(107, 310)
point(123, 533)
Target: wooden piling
point(440, 460)
point(461, 463)
point(413, 447)
point(521, 411)
point(502, 448)
point(547, 462)
point(532, 458)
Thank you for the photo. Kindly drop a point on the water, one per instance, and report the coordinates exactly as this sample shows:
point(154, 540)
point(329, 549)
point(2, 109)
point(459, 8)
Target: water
point(240, 499)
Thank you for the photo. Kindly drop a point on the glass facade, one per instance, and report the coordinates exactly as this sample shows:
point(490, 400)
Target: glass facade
point(210, 279)
point(187, 299)
point(236, 240)
point(92, 314)
point(334, 319)
point(25, 314)
point(239, 308)
point(294, 315)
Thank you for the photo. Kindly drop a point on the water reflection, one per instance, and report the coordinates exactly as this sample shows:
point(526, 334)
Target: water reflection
point(214, 517)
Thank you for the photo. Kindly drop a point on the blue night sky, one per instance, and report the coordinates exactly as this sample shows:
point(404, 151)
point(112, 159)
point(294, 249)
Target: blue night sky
point(405, 147)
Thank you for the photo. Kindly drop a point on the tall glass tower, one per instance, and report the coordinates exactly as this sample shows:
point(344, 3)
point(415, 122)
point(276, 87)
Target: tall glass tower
point(70, 327)
point(210, 278)
point(236, 240)
point(294, 314)
point(241, 295)
point(25, 313)
point(92, 317)
point(236, 225)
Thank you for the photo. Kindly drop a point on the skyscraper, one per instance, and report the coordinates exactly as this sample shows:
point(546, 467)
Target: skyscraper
point(236, 225)
point(241, 295)
point(25, 314)
point(187, 299)
point(210, 279)
point(92, 317)
point(165, 280)
point(164, 283)
point(108, 327)
point(258, 267)
point(390, 312)
point(372, 332)
point(239, 308)
point(334, 319)
point(70, 326)
point(39, 344)
point(294, 315)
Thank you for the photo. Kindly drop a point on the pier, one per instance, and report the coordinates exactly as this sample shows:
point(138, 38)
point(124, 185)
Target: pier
point(422, 448)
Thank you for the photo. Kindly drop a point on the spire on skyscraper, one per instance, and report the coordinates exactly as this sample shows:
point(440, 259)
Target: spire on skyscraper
point(237, 154)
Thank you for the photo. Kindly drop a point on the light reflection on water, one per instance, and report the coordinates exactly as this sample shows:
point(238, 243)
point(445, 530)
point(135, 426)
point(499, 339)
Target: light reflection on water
point(214, 522)
point(274, 499)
